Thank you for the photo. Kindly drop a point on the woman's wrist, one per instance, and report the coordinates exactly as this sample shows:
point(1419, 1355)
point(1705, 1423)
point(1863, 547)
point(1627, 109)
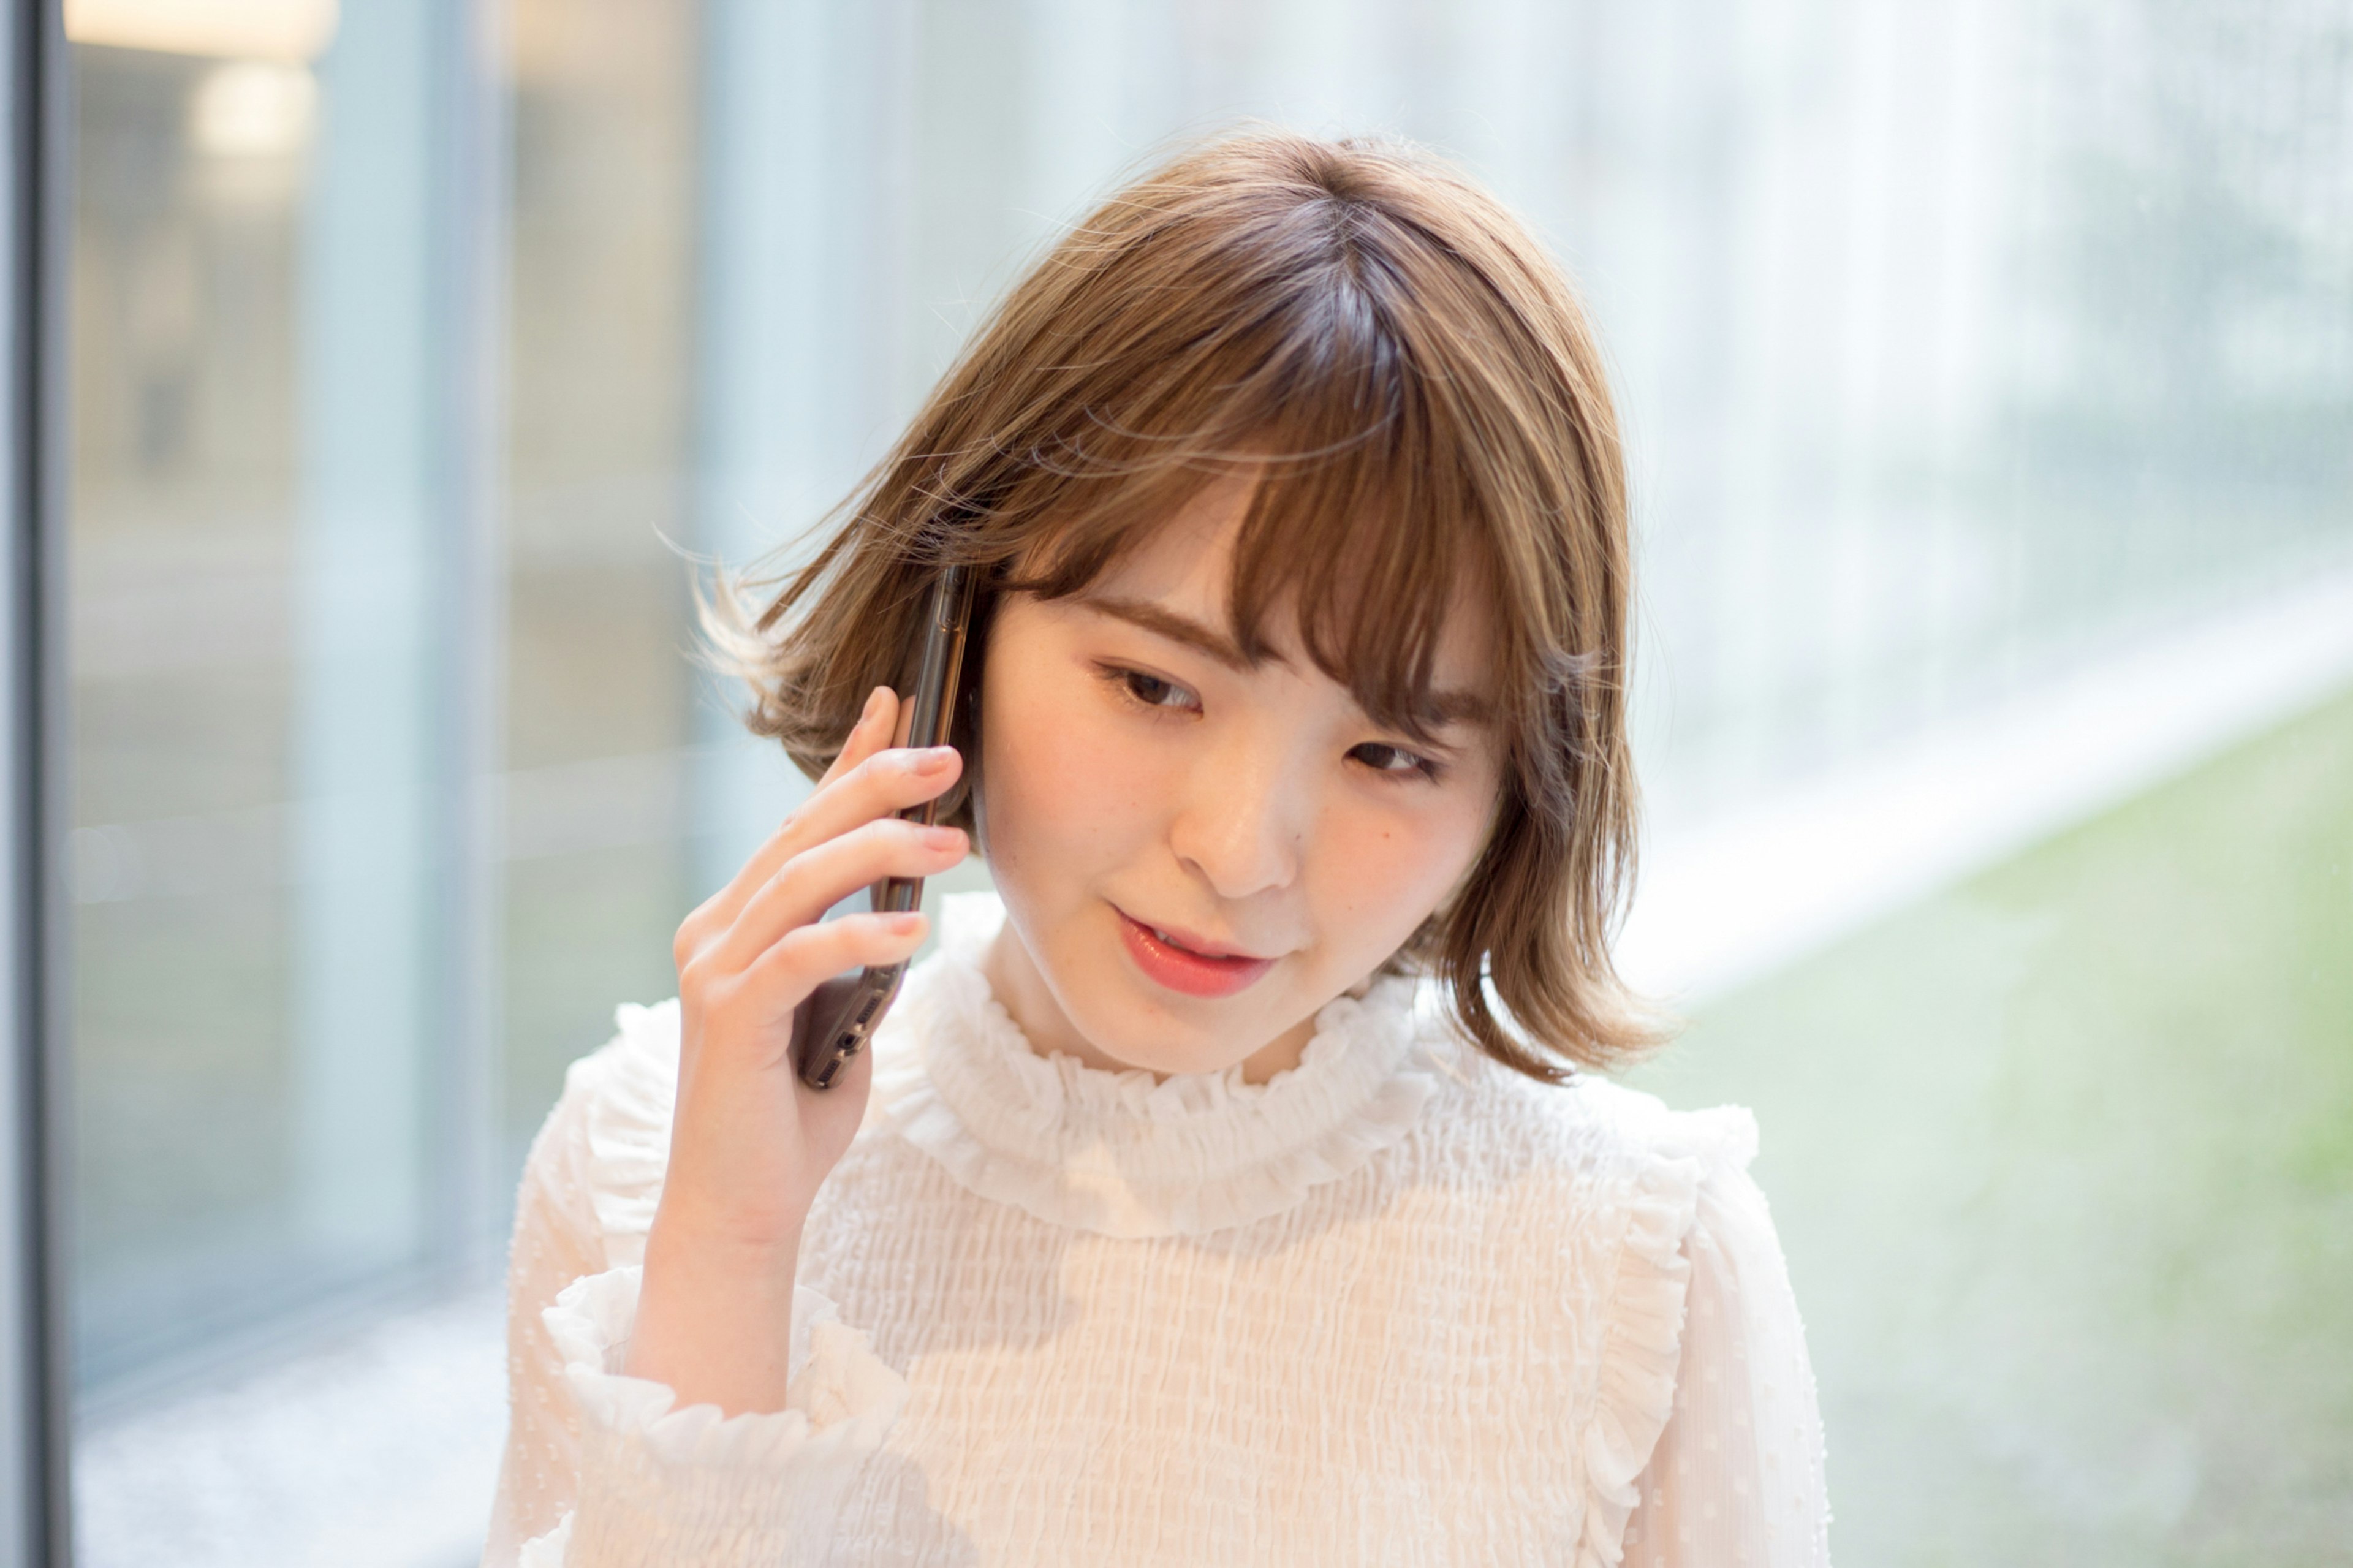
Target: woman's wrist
point(716, 1316)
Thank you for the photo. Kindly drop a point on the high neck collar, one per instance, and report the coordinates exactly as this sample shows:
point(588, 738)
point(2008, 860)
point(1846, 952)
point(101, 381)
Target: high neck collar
point(1120, 1153)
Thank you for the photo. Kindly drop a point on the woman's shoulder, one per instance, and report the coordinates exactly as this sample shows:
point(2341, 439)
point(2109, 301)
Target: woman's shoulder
point(608, 1138)
point(1718, 1137)
point(1619, 1157)
point(1587, 1127)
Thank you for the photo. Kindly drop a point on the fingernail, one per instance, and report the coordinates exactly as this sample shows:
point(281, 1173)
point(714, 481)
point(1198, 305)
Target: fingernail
point(934, 759)
point(901, 924)
point(873, 706)
point(943, 837)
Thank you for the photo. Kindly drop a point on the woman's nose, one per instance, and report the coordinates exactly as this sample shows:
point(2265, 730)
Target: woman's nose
point(1244, 820)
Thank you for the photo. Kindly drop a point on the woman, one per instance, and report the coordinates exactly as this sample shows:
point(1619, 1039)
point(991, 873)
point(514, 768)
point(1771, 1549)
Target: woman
point(1228, 1192)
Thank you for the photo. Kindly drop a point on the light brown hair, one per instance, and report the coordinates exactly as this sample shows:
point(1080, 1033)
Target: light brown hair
point(1413, 381)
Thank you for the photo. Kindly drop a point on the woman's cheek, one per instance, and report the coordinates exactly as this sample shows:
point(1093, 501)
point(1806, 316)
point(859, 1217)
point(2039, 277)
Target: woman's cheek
point(1356, 878)
point(1393, 870)
point(1064, 776)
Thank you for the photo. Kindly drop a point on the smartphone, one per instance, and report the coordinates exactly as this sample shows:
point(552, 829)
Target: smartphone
point(836, 1020)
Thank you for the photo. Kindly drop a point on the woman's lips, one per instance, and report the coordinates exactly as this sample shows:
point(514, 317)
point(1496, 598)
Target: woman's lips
point(1182, 969)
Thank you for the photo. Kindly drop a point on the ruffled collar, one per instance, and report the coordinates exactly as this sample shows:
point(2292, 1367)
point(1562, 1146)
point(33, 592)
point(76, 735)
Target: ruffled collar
point(1119, 1153)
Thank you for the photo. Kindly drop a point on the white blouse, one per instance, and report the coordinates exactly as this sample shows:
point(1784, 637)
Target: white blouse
point(1395, 1305)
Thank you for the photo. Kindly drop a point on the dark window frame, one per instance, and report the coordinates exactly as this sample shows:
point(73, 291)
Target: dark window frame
point(35, 1397)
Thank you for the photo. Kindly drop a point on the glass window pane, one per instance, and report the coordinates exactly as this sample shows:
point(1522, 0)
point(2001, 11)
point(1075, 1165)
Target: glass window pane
point(192, 233)
point(598, 692)
point(1975, 361)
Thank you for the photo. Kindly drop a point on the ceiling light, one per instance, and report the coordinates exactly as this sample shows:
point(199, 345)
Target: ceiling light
point(294, 31)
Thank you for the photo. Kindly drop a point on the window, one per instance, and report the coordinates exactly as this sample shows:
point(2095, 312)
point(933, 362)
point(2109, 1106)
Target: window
point(1987, 371)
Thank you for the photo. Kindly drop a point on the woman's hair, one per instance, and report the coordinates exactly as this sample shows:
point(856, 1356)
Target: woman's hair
point(1414, 383)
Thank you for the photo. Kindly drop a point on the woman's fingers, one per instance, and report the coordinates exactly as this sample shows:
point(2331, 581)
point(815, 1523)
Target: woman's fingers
point(811, 954)
point(754, 1008)
point(868, 736)
point(876, 721)
point(882, 785)
point(876, 789)
point(816, 878)
point(871, 793)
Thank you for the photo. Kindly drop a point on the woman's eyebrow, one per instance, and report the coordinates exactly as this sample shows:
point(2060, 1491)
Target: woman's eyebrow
point(1464, 707)
point(1169, 623)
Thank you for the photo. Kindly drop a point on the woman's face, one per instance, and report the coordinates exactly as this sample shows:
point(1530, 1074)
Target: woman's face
point(1197, 855)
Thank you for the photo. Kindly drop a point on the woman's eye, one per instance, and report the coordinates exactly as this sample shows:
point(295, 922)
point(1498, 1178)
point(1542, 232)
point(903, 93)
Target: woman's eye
point(1387, 759)
point(1153, 691)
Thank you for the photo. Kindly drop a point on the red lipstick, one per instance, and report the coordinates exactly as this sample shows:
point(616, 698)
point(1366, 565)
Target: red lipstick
point(1162, 956)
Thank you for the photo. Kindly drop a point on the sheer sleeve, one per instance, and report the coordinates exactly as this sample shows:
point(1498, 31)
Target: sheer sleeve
point(556, 1242)
point(1736, 1479)
point(600, 1466)
point(688, 1487)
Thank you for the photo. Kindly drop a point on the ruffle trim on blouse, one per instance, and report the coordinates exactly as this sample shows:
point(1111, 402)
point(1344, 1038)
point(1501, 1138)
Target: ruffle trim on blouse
point(1117, 1154)
point(628, 1122)
point(841, 1399)
point(547, 1550)
point(1121, 1154)
point(1642, 1353)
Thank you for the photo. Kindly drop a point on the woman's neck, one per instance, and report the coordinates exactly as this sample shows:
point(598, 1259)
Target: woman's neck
point(1015, 979)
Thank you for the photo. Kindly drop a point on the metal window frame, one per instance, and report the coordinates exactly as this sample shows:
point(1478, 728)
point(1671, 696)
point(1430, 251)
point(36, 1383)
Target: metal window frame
point(36, 1403)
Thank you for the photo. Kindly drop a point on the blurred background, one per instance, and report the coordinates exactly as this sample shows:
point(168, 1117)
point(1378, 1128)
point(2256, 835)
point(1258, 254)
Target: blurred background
point(1988, 370)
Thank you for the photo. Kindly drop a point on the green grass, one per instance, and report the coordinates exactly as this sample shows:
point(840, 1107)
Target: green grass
point(2062, 1159)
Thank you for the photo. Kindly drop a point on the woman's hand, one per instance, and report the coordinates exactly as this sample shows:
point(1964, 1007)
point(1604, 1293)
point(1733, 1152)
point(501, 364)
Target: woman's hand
point(750, 1144)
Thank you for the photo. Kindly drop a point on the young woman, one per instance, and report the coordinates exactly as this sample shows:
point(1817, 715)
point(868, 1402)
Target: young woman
point(1232, 1191)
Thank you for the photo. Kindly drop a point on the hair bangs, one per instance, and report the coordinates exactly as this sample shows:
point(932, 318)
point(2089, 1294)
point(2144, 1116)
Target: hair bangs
point(1368, 550)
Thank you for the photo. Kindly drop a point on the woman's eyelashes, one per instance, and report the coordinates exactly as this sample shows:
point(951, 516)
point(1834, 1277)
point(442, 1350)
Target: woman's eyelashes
point(1156, 694)
point(1147, 690)
point(1395, 760)
point(1161, 695)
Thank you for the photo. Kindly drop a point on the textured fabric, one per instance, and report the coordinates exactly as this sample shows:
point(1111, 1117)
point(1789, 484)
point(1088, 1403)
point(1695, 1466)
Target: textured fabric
point(1399, 1305)
point(1120, 1153)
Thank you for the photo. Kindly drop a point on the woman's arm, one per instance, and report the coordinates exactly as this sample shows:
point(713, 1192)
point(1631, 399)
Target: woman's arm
point(699, 1407)
point(1738, 1475)
point(750, 1143)
point(604, 1468)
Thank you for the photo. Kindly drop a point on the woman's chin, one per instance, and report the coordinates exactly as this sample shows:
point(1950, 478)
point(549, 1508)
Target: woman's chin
point(1172, 1047)
point(1129, 1021)
point(1135, 1024)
